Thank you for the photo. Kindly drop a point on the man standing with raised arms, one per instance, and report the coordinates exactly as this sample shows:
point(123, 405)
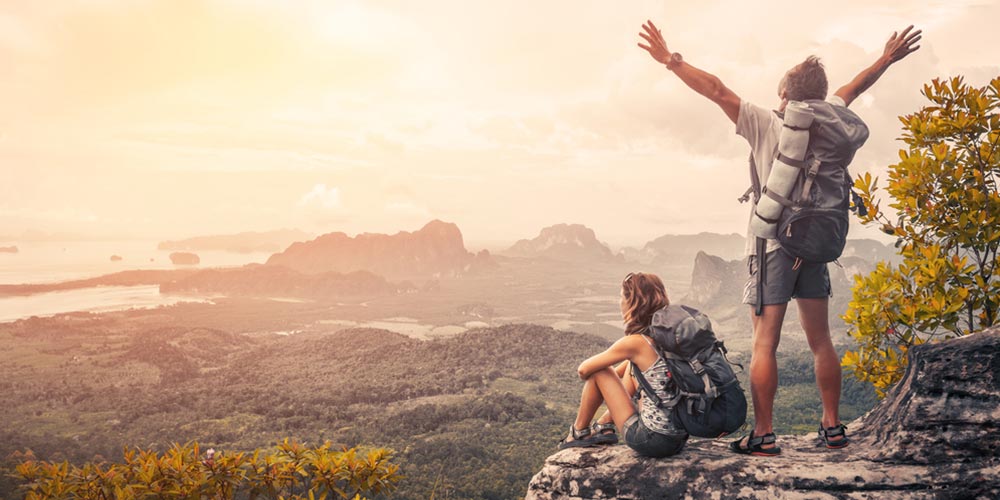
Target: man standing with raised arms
point(809, 284)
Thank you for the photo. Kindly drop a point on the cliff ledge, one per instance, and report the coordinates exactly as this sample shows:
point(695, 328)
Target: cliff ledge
point(936, 435)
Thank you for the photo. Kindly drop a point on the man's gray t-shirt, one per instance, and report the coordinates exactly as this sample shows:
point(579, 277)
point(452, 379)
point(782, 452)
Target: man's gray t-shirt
point(762, 129)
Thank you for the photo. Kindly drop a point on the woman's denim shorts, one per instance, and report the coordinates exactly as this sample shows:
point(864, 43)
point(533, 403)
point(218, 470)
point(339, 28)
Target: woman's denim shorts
point(649, 443)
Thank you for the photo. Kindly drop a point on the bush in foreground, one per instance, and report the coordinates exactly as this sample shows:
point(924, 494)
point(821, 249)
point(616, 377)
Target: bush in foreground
point(293, 471)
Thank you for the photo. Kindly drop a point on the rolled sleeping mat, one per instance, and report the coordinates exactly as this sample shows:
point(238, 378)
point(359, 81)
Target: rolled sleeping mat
point(792, 145)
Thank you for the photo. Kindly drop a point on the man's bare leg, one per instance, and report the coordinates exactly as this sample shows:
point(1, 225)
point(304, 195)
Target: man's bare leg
point(815, 322)
point(764, 366)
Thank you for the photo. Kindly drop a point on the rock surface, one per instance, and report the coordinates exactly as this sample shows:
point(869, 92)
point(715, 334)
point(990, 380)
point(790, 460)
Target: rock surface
point(936, 435)
point(716, 281)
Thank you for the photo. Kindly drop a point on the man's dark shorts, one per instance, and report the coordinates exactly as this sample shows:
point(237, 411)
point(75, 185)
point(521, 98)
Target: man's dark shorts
point(782, 283)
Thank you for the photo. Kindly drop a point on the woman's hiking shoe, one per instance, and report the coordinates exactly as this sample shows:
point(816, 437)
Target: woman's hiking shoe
point(834, 437)
point(755, 446)
point(604, 433)
point(591, 436)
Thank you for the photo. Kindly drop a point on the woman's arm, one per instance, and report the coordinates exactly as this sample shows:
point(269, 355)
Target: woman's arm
point(624, 348)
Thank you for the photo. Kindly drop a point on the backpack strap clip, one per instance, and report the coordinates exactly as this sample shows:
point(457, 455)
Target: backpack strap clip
point(791, 162)
point(699, 369)
point(776, 197)
point(810, 177)
point(711, 391)
point(725, 354)
point(859, 204)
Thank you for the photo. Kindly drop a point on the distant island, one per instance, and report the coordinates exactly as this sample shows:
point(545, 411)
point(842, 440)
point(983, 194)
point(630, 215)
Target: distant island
point(184, 259)
point(246, 242)
point(10, 249)
point(257, 280)
point(435, 250)
point(123, 278)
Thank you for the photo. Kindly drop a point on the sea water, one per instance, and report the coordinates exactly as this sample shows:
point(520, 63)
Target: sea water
point(57, 261)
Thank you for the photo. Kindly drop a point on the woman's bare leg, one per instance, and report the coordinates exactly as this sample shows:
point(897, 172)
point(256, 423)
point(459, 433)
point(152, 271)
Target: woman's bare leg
point(622, 371)
point(590, 401)
point(604, 386)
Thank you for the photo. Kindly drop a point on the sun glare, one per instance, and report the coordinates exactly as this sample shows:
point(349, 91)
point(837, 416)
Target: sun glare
point(348, 23)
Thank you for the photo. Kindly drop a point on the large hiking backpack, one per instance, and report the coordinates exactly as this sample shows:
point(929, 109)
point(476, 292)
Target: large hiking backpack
point(813, 224)
point(709, 401)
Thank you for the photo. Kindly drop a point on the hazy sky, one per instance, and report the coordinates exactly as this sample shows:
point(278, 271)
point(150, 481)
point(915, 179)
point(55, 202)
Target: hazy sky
point(175, 118)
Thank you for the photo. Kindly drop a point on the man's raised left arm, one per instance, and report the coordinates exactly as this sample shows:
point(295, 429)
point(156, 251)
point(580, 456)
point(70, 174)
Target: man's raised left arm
point(899, 46)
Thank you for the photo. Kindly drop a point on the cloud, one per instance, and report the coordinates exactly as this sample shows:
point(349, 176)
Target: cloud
point(321, 197)
point(408, 209)
point(488, 113)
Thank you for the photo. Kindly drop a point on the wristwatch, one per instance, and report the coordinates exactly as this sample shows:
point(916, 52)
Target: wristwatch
point(675, 60)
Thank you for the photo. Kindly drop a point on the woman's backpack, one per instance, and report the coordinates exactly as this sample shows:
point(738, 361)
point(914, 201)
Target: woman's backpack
point(709, 401)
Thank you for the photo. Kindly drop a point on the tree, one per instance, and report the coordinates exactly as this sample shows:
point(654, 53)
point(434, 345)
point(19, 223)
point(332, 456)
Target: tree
point(944, 193)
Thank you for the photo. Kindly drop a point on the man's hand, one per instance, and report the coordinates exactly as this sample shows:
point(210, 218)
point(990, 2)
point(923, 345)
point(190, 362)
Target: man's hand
point(902, 45)
point(899, 46)
point(701, 82)
point(657, 48)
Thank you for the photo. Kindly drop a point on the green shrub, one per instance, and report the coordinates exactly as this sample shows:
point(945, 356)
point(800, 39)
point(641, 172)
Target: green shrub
point(292, 471)
point(947, 208)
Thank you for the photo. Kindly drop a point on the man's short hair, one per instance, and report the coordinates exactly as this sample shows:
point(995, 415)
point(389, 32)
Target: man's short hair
point(807, 80)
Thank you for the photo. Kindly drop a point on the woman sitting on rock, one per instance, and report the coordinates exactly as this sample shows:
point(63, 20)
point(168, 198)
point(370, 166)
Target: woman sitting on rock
point(647, 429)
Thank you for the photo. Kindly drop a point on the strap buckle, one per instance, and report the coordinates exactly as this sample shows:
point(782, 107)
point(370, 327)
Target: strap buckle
point(697, 366)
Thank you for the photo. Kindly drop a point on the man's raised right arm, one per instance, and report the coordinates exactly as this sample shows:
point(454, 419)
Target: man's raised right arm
point(700, 81)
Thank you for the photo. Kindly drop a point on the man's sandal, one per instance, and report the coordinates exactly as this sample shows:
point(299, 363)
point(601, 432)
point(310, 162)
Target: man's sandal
point(755, 446)
point(604, 433)
point(834, 437)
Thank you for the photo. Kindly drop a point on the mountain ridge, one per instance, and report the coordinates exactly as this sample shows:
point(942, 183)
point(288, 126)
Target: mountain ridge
point(436, 249)
point(564, 242)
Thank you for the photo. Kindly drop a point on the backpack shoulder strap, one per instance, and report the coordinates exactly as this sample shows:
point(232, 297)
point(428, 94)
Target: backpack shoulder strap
point(754, 180)
point(755, 185)
point(652, 344)
point(644, 386)
point(755, 188)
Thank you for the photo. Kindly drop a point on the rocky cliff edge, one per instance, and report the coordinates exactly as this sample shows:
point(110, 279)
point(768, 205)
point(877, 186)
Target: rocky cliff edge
point(936, 435)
